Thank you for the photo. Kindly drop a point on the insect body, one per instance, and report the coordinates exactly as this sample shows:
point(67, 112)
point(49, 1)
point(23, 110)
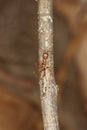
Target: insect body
point(44, 65)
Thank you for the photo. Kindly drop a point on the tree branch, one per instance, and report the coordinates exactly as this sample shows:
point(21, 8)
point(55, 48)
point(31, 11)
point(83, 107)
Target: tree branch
point(48, 87)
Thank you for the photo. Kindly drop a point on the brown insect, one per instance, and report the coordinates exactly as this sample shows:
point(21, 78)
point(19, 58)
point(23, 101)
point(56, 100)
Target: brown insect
point(43, 64)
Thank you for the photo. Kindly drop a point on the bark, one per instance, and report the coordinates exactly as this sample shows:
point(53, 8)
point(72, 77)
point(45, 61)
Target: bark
point(48, 87)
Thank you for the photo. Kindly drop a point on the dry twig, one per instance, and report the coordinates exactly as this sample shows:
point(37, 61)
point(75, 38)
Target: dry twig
point(48, 87)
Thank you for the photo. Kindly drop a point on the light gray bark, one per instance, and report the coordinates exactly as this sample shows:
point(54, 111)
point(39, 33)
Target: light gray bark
point(48, 87)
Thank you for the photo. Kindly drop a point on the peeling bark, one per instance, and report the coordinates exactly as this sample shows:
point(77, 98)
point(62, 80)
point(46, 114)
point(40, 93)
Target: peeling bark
point(48, 87)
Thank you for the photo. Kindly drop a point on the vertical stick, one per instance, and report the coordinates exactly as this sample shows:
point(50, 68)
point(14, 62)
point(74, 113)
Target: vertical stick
point(48, 87)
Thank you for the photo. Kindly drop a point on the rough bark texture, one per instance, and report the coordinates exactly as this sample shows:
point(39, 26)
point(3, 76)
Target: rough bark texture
point(48, 87)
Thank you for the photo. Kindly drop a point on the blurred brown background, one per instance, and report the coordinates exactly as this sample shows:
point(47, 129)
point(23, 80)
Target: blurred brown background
point(19, 89)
